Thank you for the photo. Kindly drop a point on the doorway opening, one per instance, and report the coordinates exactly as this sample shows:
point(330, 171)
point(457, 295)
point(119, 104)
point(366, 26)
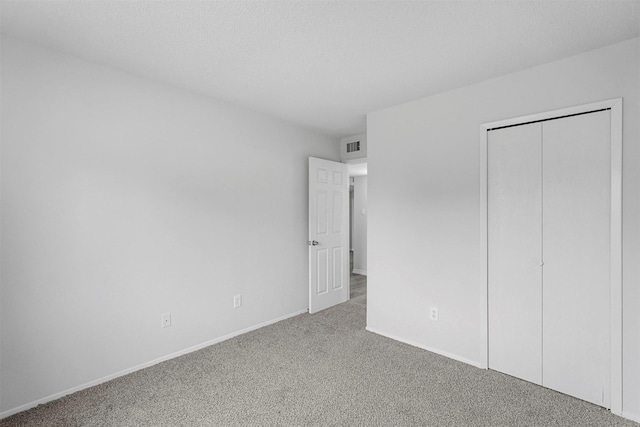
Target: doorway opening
point(358, 229)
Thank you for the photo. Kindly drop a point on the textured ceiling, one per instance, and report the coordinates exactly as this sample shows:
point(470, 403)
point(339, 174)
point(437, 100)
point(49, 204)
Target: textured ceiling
point(321, 64)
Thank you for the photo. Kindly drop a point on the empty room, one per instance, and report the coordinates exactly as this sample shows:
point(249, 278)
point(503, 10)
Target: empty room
point(319, 212)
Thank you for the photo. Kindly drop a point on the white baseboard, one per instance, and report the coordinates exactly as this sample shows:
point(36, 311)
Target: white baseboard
point(630, 416)
point(362, 272)
point(196, 347)
point(424, 347)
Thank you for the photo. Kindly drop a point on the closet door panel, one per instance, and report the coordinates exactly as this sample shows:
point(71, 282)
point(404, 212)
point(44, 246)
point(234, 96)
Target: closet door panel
point(514, 252)
point(576, 236)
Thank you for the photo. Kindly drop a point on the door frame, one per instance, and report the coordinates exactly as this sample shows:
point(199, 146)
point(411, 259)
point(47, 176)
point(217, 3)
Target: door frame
point(615, 343)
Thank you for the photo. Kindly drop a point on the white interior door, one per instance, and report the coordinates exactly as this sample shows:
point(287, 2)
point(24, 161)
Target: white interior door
point(328, 234)
point(577, 218)
point(515, 251)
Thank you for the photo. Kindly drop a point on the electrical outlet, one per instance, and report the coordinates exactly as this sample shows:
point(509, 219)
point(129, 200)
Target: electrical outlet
point(433, 313)
point(237, 301)
point(166, 320)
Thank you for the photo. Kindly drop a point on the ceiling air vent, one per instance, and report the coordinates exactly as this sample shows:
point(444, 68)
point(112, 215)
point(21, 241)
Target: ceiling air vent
point(353, 146)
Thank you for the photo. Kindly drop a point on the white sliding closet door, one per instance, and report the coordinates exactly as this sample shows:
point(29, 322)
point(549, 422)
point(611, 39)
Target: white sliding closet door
point(576, 235)
point(515, 242)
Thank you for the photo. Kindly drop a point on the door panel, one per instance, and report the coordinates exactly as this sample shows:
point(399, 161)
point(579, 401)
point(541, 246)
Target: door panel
point(321, 212)
point(329, 230)
point(337, 211)
point(322, 271)
point(338, 268)
point(515, 251)
point(576, 235)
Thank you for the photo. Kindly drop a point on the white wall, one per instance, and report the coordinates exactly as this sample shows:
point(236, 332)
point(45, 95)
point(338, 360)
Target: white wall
point(424, 228)
point(123, 199)
point(360, 225)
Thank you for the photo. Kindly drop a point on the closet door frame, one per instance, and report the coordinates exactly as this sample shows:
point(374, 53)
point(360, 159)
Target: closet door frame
point(615, 346)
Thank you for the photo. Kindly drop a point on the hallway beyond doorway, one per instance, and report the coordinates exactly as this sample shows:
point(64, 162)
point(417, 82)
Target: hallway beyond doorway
point(359, 288)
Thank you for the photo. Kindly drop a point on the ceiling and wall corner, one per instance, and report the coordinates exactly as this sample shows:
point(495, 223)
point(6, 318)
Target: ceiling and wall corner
point(321, 64)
